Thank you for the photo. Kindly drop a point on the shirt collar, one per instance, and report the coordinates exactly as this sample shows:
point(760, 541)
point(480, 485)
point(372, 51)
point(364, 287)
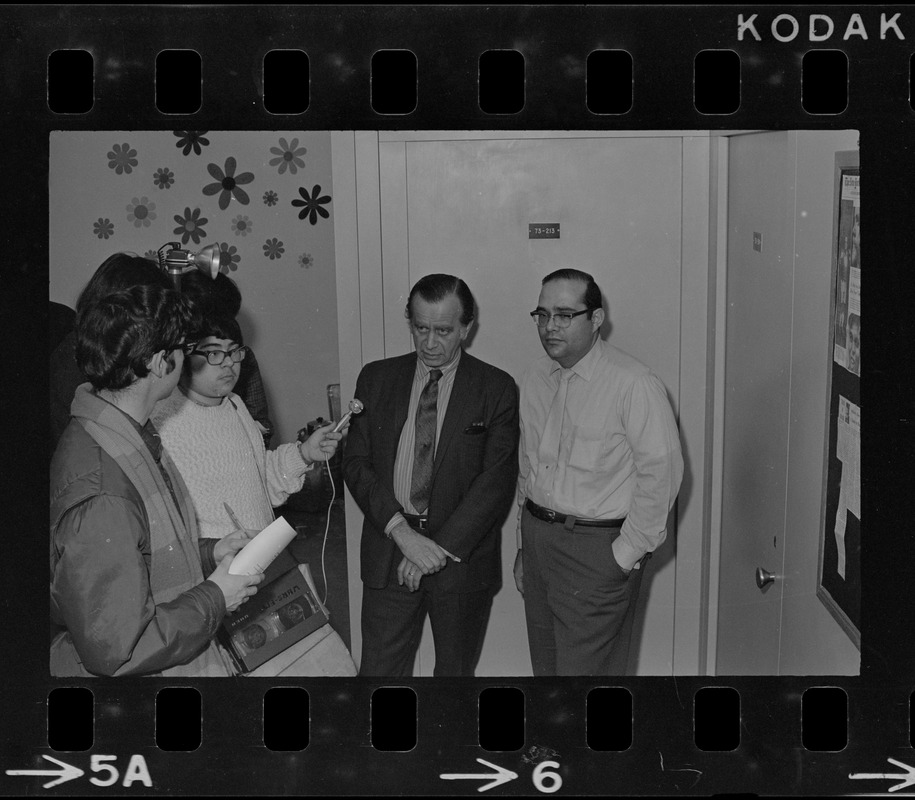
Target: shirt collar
point(422, 371)
point(585, 365)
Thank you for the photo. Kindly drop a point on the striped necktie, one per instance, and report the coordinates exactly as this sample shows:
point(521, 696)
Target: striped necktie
point(424, 447)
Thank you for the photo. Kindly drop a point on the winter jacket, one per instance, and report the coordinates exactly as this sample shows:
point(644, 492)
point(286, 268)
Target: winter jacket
point(128, 596)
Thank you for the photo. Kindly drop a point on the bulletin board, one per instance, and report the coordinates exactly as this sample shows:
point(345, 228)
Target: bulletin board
point(839, 578)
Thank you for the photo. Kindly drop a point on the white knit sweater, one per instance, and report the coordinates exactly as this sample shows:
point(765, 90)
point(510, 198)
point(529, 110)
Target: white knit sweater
point(220, 453)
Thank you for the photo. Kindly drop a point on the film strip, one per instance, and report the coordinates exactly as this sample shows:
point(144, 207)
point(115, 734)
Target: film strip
point(513, 72)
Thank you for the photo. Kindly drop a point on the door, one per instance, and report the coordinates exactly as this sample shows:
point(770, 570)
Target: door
point(463, 205)
point(757, 386)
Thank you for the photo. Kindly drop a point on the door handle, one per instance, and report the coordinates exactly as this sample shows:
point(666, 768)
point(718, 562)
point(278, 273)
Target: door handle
point(763, 578)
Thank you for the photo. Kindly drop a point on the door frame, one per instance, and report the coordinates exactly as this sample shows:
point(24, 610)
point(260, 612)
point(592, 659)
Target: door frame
point(718, 291)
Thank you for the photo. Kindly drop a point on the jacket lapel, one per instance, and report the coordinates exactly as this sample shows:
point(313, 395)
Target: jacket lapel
point(401, 387)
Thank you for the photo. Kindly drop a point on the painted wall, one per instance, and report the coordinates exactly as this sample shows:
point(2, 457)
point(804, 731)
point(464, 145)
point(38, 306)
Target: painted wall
point(134, 191)
point(812, 642)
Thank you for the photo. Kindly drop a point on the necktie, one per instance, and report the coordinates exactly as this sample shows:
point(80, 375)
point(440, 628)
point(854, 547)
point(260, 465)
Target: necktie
point(424, 446)
point(548, 453)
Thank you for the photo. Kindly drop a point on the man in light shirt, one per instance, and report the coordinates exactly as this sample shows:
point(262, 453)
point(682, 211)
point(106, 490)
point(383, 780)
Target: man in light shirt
point(432, 462)
point(601, 466)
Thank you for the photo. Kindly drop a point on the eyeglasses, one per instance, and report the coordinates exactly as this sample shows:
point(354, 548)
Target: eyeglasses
point(216, 358)
point(563, 318)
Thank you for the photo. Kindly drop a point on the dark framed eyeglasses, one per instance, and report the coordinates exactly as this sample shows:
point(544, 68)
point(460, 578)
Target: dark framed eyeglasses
point(186, 347)
point(216, 358)
point(563, 318)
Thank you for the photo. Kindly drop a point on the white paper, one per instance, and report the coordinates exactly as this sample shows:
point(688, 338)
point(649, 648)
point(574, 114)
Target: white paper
point(848, 451)
point(841, 514)
point(851, 474)
point(259, 553)
point(854, 292)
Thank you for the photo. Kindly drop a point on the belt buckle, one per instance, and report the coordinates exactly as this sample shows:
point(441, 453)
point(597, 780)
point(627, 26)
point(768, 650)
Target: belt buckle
point(551, 515)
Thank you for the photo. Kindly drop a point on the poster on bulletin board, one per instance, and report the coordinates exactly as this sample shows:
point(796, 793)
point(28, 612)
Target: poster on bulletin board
point(839, 579)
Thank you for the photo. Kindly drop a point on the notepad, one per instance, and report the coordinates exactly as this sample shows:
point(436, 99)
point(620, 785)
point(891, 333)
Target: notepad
point(259, 553)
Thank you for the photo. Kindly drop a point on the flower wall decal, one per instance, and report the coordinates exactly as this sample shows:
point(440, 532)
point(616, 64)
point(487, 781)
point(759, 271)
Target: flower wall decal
point(157, 199)
point(229, 259)
point(121, 158)
point(191, 140)
point(212, 194)
point(190, 226)
point(287, 156)
point(141, 212)
point(164, 178)
point(312, 204)
point(242, 225)
point(103, 228)
point(273, 248)
point(228, 184)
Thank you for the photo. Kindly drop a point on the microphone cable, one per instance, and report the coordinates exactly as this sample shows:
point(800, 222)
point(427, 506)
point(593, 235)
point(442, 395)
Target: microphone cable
point(330, 507)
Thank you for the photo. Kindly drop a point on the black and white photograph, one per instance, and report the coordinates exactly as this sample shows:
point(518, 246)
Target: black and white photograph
point(703, 503)
point(460, 399)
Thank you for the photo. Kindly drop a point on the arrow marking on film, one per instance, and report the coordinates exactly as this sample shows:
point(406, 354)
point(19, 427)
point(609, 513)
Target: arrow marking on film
point(500, 776)
point(62, 775)
point(908, 777)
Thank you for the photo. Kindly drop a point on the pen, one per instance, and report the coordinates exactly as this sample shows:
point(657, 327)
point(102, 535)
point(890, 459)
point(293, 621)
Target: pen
point(232, 517)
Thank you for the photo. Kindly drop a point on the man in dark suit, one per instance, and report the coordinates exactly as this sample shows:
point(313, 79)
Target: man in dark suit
point(433, 464)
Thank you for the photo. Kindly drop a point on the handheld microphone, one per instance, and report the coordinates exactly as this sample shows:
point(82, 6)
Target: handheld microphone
point(355, 407)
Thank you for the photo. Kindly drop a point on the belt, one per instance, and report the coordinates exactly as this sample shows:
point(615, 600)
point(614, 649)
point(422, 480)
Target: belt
point(568, 520)
point(419, 522)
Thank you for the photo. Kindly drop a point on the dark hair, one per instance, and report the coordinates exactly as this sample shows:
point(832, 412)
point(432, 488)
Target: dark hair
point(219, 295)
point(117, 272)
point(219, 325)
point(435, 288)
point(117, 334)
point(592, 296)
point(215, 304)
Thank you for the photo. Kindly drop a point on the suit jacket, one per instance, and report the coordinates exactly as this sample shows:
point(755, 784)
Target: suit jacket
point(474, 475)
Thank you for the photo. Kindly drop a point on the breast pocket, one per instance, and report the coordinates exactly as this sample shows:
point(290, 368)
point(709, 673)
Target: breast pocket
point(589, 448)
